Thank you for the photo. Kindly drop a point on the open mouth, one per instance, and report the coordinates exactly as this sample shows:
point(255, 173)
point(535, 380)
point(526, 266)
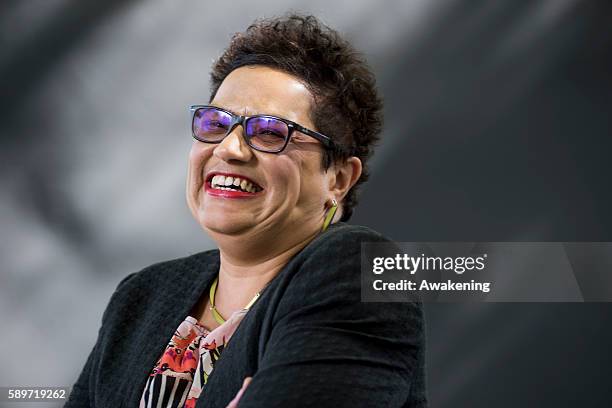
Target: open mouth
point(233, 183)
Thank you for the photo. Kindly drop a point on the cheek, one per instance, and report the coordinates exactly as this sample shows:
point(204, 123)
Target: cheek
point(283, 174)
point(199, 155)
point(308, 178)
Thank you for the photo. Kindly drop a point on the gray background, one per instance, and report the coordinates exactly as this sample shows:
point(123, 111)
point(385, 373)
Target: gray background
point(497, 129)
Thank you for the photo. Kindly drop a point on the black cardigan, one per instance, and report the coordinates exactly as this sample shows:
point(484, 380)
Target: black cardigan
point(308, 341)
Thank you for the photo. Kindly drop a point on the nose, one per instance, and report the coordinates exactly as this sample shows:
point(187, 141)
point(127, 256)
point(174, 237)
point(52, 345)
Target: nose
point(233, 147)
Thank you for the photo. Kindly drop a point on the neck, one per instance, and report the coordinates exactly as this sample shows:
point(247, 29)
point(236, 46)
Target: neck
point(246, 268)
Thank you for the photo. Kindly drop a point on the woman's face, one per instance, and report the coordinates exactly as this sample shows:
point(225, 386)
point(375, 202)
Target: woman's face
point(294, 186)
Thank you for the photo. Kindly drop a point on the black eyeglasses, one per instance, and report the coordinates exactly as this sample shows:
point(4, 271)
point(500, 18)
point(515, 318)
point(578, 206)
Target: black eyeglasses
point(265, 133)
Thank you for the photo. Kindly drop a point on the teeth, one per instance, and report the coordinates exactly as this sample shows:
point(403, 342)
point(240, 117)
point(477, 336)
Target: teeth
point(224, 183)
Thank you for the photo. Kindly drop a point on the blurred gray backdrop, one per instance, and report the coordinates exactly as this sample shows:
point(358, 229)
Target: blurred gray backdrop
point(497, 129)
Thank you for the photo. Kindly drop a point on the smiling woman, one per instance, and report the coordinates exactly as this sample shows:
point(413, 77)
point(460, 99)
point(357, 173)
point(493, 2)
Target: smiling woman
point(273, 317)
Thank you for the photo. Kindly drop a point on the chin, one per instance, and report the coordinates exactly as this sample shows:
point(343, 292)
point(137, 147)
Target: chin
point(223, 225)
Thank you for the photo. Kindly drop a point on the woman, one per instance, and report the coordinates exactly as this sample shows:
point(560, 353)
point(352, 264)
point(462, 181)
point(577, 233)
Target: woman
point(274, 316)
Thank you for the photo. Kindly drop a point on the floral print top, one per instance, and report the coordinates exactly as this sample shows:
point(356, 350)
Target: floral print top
point(180, 375)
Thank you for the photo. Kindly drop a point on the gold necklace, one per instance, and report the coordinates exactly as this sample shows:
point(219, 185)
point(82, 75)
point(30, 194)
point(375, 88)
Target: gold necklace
point(213, 309)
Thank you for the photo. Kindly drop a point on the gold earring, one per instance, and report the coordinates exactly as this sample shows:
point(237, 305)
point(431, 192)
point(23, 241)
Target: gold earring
point(330, 214)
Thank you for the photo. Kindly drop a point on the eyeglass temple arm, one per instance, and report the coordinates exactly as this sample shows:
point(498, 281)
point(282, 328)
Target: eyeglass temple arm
point(326, 140)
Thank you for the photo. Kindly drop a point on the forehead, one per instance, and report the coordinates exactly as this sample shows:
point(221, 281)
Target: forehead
point(256, 89)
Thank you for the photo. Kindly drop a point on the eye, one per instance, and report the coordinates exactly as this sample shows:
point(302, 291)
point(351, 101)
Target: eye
point(298, 137)
point(215, 124)
point(269, 132)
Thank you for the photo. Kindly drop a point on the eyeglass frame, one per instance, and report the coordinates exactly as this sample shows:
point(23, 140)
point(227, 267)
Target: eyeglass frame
point(242, 119)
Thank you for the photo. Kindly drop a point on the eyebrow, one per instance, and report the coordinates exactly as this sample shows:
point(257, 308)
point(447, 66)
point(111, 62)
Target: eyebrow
point(218, 105)
point(248, 113)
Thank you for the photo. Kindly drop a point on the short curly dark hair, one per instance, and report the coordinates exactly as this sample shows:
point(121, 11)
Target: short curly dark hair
point(347, 105)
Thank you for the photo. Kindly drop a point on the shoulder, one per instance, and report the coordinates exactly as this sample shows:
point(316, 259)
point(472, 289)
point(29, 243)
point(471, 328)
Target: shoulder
point(330, 266)
point(336, 250)
point(324, 283)
point(167, 278)
point(341, 241)
point(166, 272)
point(342, 231)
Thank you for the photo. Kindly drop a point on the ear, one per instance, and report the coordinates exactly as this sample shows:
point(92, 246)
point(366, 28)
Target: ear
point(344, 176)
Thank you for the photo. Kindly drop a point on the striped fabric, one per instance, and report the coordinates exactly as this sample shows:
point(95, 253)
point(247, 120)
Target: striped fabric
point(180, 374)
point(167, 390)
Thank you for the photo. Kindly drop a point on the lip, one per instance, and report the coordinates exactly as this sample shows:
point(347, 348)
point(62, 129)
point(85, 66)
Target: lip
point(229, 193)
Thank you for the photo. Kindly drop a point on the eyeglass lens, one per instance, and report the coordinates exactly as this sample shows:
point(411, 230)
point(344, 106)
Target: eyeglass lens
point(263, 132)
